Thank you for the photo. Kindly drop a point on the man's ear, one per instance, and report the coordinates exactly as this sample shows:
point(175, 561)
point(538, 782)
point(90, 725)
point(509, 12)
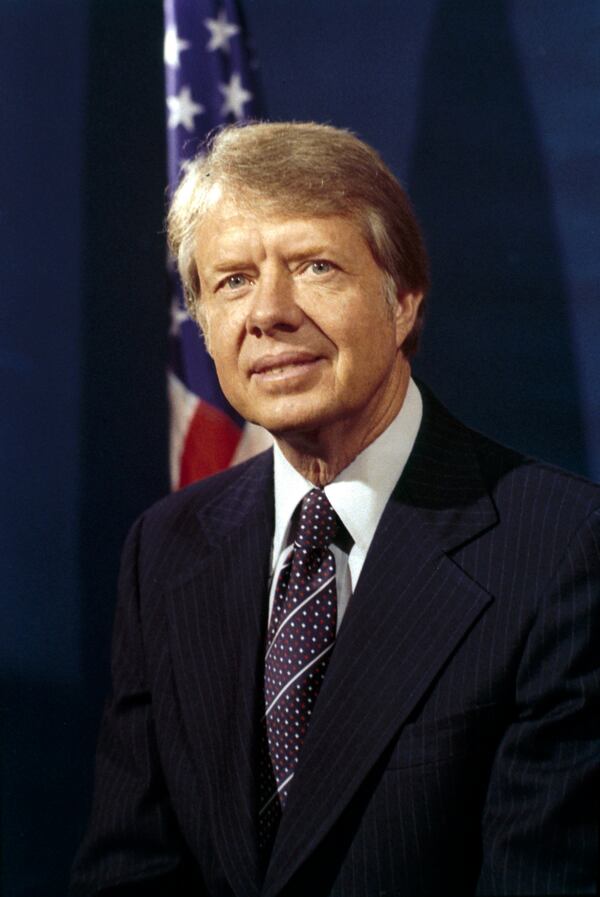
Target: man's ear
point(405, 314)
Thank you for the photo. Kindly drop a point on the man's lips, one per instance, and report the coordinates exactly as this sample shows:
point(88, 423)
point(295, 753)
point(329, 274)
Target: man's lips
point(278, 363)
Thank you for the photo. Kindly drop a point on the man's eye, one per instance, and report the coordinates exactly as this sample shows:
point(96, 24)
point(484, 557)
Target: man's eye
point(321, 267)
point(234, 281)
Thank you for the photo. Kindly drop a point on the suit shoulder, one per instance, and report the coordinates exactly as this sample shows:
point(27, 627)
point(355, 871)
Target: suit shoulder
point(535, 485)
point(169, 540)
point(176, 506)
point(463, 461)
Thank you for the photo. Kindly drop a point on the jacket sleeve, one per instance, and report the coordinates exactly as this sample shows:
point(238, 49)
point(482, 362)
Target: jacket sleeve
point(133, 845)
point(540, 823)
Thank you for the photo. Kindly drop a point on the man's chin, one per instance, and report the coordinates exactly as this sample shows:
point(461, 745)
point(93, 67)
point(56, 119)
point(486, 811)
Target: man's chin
point(289, 427)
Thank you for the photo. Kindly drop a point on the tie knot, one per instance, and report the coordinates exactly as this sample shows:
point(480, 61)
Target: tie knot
point(318, 524)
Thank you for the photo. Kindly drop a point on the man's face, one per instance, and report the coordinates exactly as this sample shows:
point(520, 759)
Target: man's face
point(297, 322)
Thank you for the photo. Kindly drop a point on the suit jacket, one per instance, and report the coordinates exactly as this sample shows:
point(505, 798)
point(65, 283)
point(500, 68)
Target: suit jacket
point(454, 746)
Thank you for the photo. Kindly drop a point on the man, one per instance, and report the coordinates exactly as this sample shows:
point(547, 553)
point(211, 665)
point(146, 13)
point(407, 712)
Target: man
point(364, 663)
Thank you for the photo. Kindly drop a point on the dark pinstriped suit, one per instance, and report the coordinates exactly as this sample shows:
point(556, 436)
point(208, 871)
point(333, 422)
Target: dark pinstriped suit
point(455, 743)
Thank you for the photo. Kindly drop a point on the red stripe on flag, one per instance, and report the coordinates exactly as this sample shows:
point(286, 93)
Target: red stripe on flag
point(209, 445)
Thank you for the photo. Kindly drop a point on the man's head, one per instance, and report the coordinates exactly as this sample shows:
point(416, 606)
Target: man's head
point(303, 263)
point(302, 170)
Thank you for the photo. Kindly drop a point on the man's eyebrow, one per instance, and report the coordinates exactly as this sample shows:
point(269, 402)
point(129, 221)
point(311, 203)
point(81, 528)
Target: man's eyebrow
point(230, 264)
point(221, 263)
point(312, 250)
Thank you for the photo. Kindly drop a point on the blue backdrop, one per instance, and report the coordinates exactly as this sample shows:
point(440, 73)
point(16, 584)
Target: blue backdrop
point(487, 111)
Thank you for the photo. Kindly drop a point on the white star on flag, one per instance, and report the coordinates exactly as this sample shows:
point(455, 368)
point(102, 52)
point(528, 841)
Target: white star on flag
point(182, 110)
point(221, 31)
point(235, 96)
point(174, 46)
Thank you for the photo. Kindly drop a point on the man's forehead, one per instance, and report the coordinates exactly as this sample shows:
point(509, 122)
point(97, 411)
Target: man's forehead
point(225, 201)
point(229, 227)
point(226, 212)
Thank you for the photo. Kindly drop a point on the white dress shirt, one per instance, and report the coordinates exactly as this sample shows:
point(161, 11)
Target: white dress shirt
point(358, 495)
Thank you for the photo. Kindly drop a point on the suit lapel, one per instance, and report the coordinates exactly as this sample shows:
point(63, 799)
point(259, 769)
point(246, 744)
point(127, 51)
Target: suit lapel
point(217, 621)
point(411, 608)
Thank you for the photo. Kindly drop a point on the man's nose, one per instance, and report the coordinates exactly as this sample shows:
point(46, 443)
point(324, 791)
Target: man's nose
point(274, 305)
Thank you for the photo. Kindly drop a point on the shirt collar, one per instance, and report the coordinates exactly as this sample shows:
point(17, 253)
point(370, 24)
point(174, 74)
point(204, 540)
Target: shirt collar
point(360, 492)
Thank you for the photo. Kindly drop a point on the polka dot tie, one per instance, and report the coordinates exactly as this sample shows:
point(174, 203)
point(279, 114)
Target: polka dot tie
point(300, 639)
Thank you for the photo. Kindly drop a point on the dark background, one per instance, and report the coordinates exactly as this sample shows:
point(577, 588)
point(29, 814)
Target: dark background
point(487, 111)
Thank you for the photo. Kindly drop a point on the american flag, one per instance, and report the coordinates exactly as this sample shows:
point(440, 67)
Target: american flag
point(208, 83)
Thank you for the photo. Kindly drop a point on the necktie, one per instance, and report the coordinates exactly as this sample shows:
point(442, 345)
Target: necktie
point(300, 639)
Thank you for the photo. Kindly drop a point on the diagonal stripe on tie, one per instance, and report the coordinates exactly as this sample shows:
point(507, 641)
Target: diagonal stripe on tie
point(291, 681)
point(275, 793)
point(295, 611)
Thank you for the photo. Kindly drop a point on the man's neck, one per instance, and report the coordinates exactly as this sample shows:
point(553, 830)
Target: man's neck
point(320, 455)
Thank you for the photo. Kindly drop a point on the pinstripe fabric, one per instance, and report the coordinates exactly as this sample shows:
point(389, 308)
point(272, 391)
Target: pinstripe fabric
point(453, 751)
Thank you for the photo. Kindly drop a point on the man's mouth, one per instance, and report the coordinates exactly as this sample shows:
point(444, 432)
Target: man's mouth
point(283, 364)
